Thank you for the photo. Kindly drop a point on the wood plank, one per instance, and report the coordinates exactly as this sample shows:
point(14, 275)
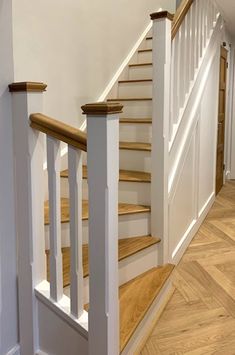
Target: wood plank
point(131, 99)
point(135, 81)
point(137, 296)
point(140, 65)
point(135, 146)
point(124, 175)
point(123, 209)
point(200, 317)
point(136, 120)
point(126, 247)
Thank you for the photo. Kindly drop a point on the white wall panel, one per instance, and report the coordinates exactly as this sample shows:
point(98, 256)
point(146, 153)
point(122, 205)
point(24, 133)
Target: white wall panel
point(182, 204)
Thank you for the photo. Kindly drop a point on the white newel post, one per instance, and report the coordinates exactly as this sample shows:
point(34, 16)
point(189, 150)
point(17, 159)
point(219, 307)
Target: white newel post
point(29, 184)
point(160, 128)
point(103, 174)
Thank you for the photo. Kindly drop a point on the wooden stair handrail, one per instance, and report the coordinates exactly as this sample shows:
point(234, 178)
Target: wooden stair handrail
point(179, 16)
point(59, 130)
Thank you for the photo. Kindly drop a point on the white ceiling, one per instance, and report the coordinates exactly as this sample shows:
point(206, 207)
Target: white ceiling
point(228, 10)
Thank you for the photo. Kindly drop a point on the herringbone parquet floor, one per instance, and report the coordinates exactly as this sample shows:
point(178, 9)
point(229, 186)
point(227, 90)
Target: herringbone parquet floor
point(200, 317)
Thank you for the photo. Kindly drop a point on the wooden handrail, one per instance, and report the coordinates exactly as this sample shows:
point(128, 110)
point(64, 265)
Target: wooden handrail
point(59, 130)
point(179, 16)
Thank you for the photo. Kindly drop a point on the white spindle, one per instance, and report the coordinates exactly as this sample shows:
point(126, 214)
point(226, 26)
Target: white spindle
point(160, 128)
point(187, 53)
point(103, 174)
point(201, 39)
point(197, 33)
point(53, 167)
point(193, 44)
point(182, 83)
point(28, 154)
point(75, 204)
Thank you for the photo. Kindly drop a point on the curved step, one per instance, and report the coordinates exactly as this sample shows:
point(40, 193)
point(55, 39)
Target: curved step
point(124, 175)
point(136, 298)
point(135, 146)
point(123, 209)
point(126, 247)
point(131, 99)
point(140, 65)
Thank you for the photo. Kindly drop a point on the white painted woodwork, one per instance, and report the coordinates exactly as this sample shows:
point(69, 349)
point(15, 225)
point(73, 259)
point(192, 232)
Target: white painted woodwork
point(160, 130)
point(135, 160)
point(75, 207)
point(53, 166)
point(145, 57)
point(103, 173)
point(28, 154)
point(148, 43)
point(58, 330)
point(128, 226)
point(140, 72)
point(135, 89)
point(135, 132)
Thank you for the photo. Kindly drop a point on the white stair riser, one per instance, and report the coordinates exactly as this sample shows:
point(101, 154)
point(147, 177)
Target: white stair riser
point(138, 89)
point(133, 225)
point(135, 160)
point(145, 57)
point(148, 44)
point(128, 191)
point(137, 109)
point(135, 132)
point(129, 268)
point(141, 72)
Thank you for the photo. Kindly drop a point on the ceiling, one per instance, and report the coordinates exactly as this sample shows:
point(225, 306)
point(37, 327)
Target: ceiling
point(227, 8)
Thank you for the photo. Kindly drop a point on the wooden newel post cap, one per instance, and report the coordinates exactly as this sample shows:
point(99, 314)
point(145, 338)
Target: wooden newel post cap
point(161, 15)
point(102, 108)
point(27, 86)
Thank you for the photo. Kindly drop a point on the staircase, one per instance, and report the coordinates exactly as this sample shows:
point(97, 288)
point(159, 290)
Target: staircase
point(101, 277)
point(141, 279)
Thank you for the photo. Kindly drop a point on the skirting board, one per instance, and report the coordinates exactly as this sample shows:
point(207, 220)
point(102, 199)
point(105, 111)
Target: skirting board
point(14, 351)
point(190, 233)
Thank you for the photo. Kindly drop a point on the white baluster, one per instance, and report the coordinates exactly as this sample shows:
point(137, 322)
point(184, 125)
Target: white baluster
point(160, 128)
point(182, 64)
point(53, 167)
point(75, 207)
point(193, 44)
point(197, 34)
point(29, 182)
point(103, 174)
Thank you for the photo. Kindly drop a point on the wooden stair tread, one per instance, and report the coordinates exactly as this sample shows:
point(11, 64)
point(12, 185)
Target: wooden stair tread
point(130, 99)
point(140, 64)
point(145, 50)
point(148, 38)
point(137, 296)
point(135, 81)
point(135, 146)
point(136, 120)
point(123, 209)
point(126, 248)
point(124, 175)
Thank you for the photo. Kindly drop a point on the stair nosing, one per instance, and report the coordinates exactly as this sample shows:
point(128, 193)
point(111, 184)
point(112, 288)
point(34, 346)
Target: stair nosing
point(145, 149)
point(134, 81)
point(131, 99)
point(140, 64)
point(145, 50)
point(136, 120)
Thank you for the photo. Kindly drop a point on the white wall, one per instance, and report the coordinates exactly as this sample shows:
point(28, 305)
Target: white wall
point(8, 282)
point(76, 46)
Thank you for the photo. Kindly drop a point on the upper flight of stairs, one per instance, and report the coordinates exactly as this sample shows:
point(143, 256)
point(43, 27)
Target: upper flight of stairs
point(141, 280)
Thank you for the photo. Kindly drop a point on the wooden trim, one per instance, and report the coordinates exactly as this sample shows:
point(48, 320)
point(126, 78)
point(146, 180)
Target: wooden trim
point(102, 108)
point(162, 14)
point(180, 14)
point(59, 130)
point(27, 86)
point(135, 81)
point(140, 64)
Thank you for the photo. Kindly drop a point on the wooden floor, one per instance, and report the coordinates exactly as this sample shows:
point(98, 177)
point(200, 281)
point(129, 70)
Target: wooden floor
point(200, 317)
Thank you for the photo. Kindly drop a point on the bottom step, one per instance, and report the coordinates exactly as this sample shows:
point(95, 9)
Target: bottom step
point(137, 296)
